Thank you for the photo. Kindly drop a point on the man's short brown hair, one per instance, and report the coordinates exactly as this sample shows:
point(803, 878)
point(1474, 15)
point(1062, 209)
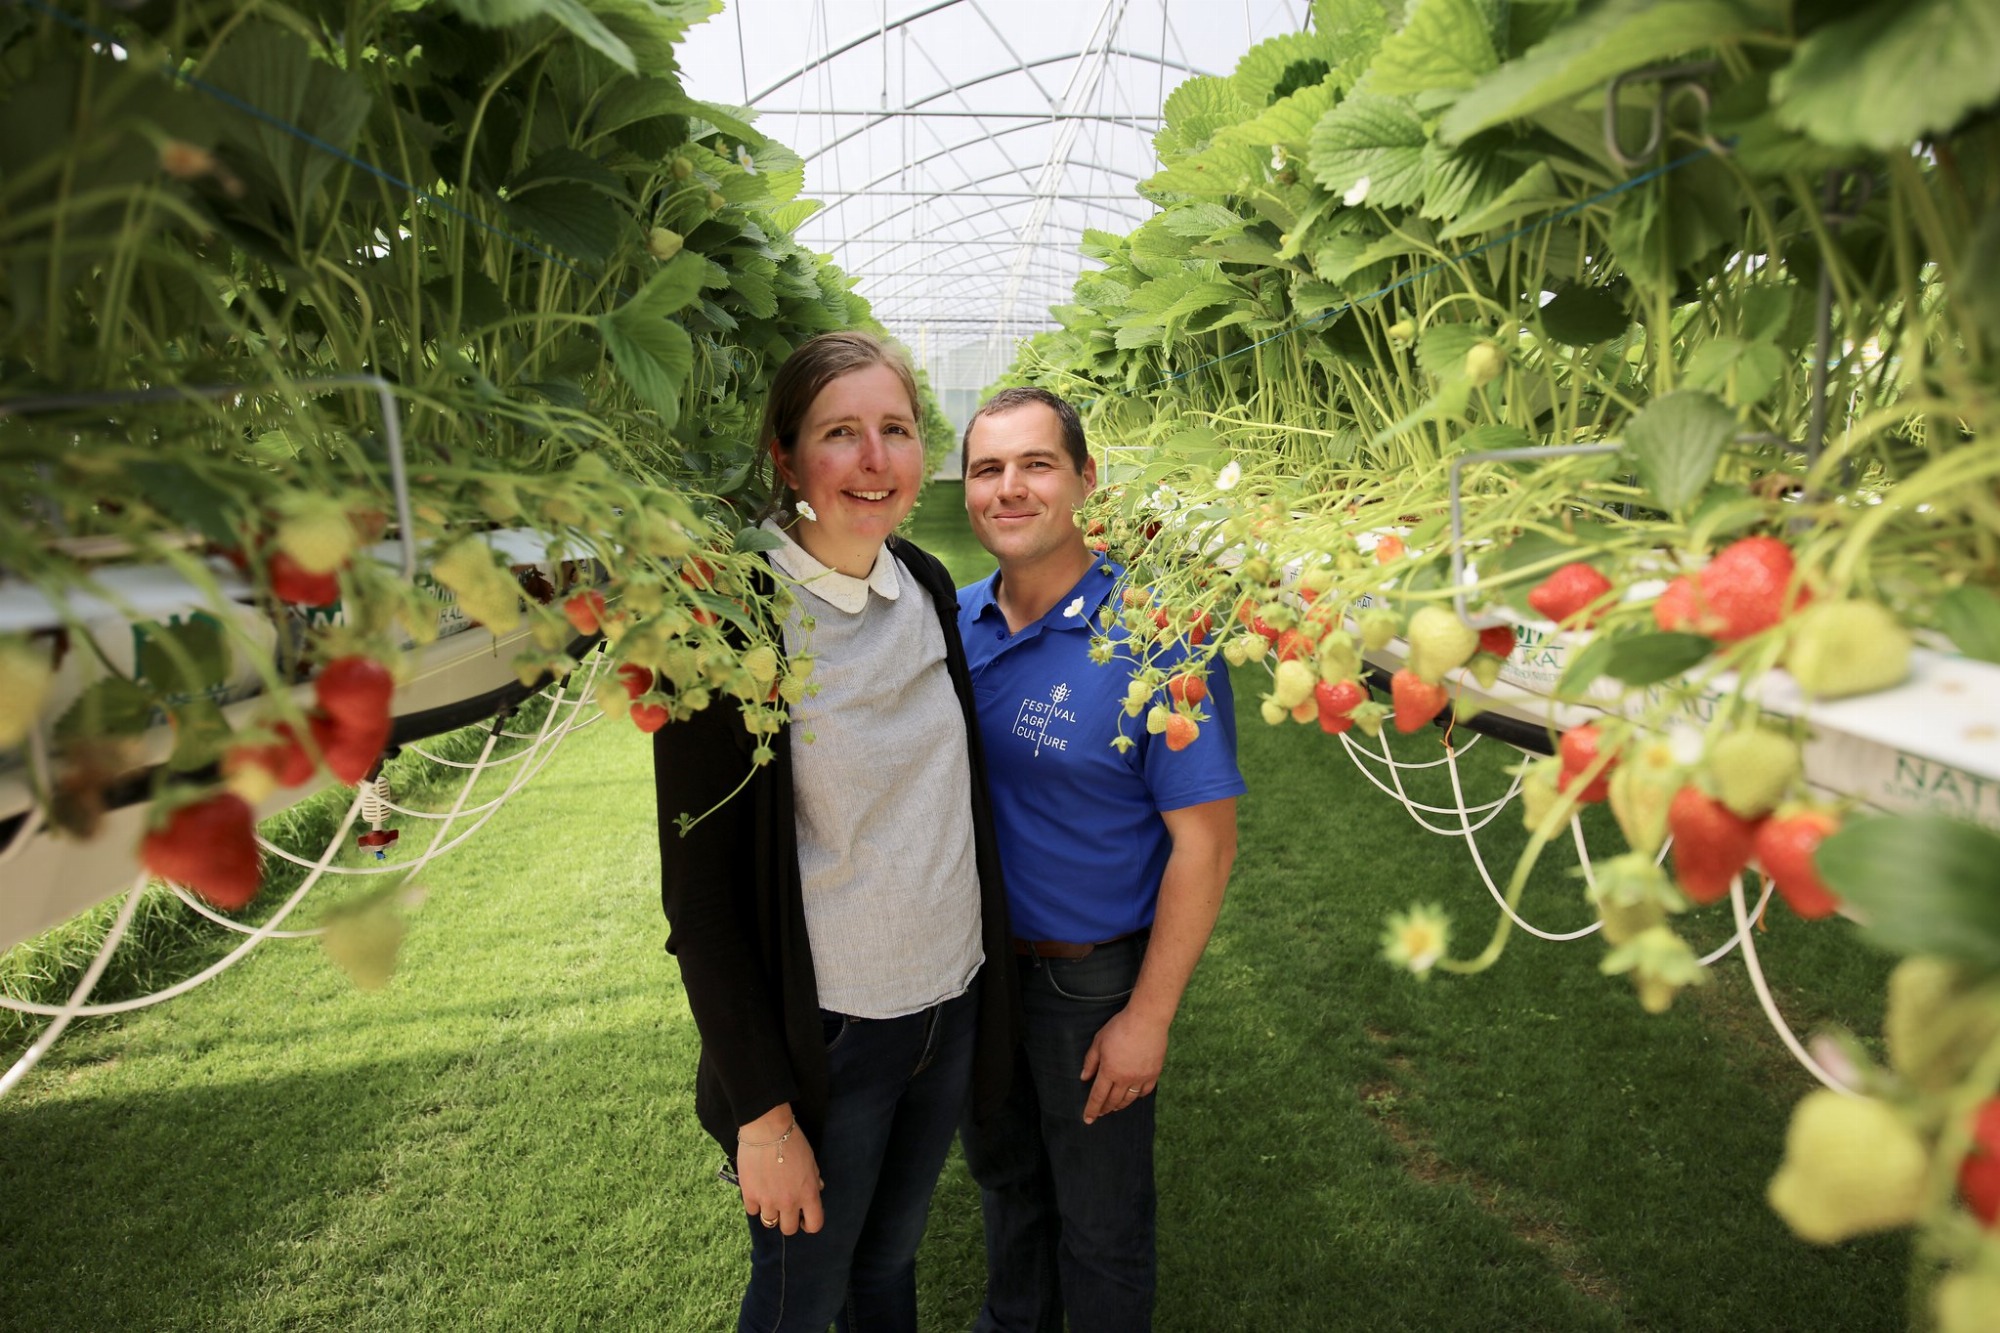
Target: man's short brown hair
point(1021, 396)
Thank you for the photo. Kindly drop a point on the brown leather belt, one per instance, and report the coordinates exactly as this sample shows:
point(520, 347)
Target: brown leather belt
point(1066, 950)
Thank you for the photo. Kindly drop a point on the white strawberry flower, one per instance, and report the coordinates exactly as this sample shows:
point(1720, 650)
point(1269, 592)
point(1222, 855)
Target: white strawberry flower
point(805, 511)
point(1074, 609)
point(1231, 473)
point(1277, 157)
point(744, 160)
point(1357, 193)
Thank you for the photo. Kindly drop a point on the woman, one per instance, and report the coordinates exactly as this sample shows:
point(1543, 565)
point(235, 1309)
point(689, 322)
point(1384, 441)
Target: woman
point(840, 923)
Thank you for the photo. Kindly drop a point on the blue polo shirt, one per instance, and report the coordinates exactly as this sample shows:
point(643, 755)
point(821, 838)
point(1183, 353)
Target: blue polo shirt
point(1082, 843)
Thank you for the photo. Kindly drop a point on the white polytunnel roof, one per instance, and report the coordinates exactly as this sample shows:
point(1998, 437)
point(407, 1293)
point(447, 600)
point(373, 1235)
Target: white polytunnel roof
point(961, 147)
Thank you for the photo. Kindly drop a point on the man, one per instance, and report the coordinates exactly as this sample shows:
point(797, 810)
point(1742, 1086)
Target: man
point(1115, 861)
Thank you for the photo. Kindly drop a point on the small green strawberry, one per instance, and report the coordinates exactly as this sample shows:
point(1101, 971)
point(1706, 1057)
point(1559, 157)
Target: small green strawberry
point(1660, 963)
point(1370, 716)
point(1753, 769)
point(315, 532)
point(1852, 1165)
point(1632, 894)
point(1156, 718)
point(1337, 656)
point(1543, 805)
point(762, 663)
point(1378, 626)
point(663, 244)
point(1273, 712)
point(1440, 643)
point(1642, 788)
point(1486, 669)
point(1244, 649)
point(1843, 648)
point(25, 674)
point(1483, 363)
point(1941, 1016)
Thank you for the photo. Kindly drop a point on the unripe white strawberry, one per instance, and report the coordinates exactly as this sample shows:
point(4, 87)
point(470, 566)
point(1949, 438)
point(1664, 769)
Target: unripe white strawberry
point(24, 683)
point(658, 534)
point(1337, 656)
point(1379, 626)
point(1852, 1166)
point(315, 532)
point(762, 663)
point(1273, 712)
point(1137, 692)
point(1753, 769)
point(497, 499)
point(1293, 684)
point(1483, 363)
point(1439, 643)
point(486, 592)
point(663, 244)
point(1156, 718)
point(1843, 648)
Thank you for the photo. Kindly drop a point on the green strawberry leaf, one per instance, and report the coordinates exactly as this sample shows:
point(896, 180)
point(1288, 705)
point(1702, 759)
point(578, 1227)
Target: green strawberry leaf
point(1648, 659)
point(1971, 617)
point(1675, 441)
point(113, 706)
point(1584, 317)
point(754, 538)
point(1927, 884)
point(201, 734)
point(1444, 44)
point(1584, 669)
point(1892, 73)
point(183, 659)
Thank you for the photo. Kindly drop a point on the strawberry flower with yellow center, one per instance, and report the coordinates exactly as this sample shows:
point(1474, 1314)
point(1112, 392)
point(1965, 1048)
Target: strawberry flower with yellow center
point(1417, 939)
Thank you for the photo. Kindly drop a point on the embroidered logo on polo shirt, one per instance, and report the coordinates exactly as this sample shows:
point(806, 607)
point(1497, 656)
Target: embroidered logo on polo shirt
point(1035, 718)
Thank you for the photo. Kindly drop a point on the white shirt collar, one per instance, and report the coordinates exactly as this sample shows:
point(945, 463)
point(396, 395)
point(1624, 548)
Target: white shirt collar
point(841, 591)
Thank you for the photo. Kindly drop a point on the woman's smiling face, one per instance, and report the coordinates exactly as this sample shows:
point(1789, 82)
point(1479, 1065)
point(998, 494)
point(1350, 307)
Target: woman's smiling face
point(857, 463)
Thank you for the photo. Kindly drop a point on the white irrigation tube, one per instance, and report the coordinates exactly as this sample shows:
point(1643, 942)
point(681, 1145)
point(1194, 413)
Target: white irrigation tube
point(33, 1055)
point(229, 924)
point(1396, 763)
point(262, 933)
point(1472, 844)
point(1490, 809)
point(1756, 971)
point(545, 742)
point(1411, 807)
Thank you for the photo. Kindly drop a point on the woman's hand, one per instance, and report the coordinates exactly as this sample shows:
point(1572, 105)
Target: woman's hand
point(778, 1172)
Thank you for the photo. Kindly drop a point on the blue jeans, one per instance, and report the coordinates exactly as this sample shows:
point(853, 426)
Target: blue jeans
point(1069, 1207)
point(899, 1086)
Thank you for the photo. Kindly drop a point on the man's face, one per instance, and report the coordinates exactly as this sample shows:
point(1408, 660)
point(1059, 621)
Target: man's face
point(1021, 491)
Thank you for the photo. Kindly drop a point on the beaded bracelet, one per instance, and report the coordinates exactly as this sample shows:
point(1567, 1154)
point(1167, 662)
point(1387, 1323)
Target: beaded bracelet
point(778, 1143)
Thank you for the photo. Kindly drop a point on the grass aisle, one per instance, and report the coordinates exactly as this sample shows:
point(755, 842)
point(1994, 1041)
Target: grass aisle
point(503, 1138)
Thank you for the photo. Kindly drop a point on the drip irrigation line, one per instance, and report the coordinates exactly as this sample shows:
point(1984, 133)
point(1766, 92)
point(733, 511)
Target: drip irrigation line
point(1567, 211)
point(173, 73)
point(1757, 983)
point(112, 939)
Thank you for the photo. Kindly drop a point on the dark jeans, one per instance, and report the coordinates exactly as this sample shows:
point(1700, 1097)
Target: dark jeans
point(1069, 1207)
point(899, 1086)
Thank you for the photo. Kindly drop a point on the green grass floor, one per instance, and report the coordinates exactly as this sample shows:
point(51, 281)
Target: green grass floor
point(503, 1138)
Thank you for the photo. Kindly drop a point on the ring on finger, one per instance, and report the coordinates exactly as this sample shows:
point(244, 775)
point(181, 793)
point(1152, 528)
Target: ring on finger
point(767, 1219)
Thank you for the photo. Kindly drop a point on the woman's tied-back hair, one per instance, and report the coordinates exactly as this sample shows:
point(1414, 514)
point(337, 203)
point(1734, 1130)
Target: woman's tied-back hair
point(814, 364)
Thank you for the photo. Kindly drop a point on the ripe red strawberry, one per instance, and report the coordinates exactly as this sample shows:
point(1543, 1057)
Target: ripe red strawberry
point(1294, 646)
point(636, 679)
point(355, 690)
point(1388, 547)
point(1979, 1173)
point(1784, 847)
point(1337, 700)
point(1497, 640)
point(291, 582)
point(1188, 688)
point(1571, 596)
point(209, 847)
point(1198, 628)
point(1416, 701)
point(1579, 750)
point(585, 611)
point(284, 758)
point(649, 717)
point(350, 748)
point(1681, 608)
point(1246, 611)
point(1181, 731)
point(1711, 845)
point(1748, 587)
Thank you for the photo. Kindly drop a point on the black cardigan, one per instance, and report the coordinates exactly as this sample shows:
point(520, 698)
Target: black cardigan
point(736, 911)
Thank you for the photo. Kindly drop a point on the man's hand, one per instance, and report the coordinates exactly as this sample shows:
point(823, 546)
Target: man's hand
point(1124, 1059)
point(782, 1194)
